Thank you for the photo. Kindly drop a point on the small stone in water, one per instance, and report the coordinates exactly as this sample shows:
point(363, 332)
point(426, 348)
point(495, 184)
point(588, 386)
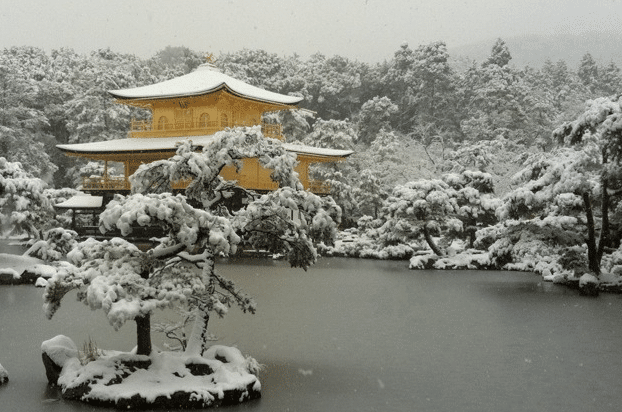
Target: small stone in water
point(4, 375)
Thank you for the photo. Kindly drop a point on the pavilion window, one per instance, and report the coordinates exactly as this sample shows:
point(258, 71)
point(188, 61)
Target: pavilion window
point(224, 120)
point(204, 121)
point(162, 123)
point(183, 118)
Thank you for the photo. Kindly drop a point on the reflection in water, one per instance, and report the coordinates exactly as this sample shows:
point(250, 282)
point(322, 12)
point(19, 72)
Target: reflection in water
point(372, 336)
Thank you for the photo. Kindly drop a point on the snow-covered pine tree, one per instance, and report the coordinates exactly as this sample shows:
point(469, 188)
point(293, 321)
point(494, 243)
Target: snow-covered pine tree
point(597, 135)
point(24, 209)
point(567, 198)
point(23, 122)
point(420, 209)
point(129, 284)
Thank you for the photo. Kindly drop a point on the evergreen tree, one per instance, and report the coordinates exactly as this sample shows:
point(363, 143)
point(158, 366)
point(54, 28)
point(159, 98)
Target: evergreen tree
point(375, 114)
point(129, 284)
point(23, 124)
point(567, 196)
point(610, 80)
point(179, 58)
point(332, 86)
point(497, 100)
point(499, 56)
point(421, 209)
point(24, 209)
point(422, 83)
point(339, 177)
point(588, 72)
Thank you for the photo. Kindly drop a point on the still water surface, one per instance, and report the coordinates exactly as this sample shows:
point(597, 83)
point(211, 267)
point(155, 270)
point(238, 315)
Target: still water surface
point(359, 335)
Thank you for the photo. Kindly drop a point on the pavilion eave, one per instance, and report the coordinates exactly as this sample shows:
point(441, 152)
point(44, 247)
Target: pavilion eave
point(147, 102)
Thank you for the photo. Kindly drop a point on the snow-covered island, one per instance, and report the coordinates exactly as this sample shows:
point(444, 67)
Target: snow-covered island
point(221, 376)
point(178, 270)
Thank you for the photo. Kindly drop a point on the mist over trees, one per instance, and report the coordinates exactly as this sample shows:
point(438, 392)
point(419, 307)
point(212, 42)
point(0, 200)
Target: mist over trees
point(418, 116)
point(420, 96)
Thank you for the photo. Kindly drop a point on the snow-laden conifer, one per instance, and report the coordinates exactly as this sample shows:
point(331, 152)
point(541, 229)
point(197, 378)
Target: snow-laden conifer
point(24, 208)
point(129, 284)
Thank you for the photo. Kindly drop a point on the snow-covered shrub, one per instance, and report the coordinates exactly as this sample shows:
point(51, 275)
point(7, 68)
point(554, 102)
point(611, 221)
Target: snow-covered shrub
point(469, 259)
point(361, 245)
point(454, 207)
point(612, 263)
point(56, 243)
point(525, 246)
point(574, 259)
point(23, 207)
point(425, 261)
point(90, 352)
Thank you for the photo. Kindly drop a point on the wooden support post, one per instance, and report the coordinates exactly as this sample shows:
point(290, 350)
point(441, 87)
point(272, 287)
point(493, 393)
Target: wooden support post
point(105, 172)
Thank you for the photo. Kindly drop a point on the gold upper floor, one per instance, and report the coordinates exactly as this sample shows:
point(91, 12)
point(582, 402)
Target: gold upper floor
point(192, 127)
point(202, 115)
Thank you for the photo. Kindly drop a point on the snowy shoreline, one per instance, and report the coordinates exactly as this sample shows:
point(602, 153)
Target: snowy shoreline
point(471, 259)
point(20, 270)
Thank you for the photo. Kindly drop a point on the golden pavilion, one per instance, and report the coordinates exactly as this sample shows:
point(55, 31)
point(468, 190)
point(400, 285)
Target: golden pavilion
point(195, 106)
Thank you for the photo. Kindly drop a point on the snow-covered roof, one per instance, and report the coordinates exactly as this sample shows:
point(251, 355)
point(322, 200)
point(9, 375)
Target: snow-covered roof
point(316, 151)
point(81, 202)
point(164, 144)
point(205, 79)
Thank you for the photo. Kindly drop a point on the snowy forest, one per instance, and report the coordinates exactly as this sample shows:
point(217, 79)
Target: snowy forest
point(457, 163)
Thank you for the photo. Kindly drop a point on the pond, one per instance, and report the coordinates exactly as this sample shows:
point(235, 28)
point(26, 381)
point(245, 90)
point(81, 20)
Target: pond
point(371, 336)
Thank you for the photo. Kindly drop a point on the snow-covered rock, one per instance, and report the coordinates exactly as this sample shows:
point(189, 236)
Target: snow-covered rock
point(56, 352)
point(11, 273)
point(15, 269)
point(4, 375)
point(589, 284)
point(588, 279)
point(41, 282)
point(60, 349)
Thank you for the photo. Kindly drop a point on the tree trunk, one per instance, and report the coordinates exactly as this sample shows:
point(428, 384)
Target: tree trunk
point(431, 243)
point(197, 344)
point(603, 241)
point(471, 229)
point(143, 328)
point(592, 253)
point(143, 335)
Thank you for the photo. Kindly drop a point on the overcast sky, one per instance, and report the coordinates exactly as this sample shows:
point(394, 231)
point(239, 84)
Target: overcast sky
point(366, 30)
